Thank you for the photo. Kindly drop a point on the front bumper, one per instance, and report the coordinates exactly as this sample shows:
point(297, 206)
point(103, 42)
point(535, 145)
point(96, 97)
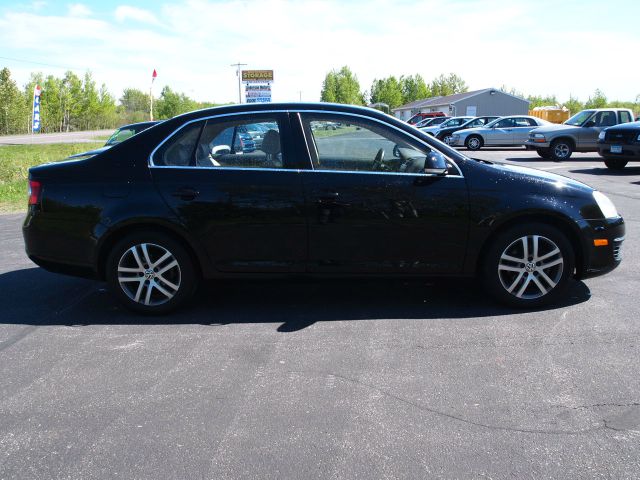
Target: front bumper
point(602, 259)
point(629, 152)
point(531, 145)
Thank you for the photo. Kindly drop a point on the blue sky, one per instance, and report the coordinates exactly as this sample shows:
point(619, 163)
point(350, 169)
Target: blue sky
point(537, 47)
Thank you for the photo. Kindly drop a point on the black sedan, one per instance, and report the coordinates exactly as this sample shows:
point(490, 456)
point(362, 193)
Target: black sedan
point(184, 201)
point(444, 134)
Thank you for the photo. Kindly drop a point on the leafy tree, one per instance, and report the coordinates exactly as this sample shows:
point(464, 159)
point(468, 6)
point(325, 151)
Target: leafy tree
point(573, 105)
point(540, 101)
point(13, 113)
point(173, 103)
point(388, 90)
point(448, 85)
point(342, 87)
point(599, 100)
point(413, 88)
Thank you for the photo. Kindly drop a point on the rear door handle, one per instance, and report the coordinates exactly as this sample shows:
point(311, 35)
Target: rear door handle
point(186, 193)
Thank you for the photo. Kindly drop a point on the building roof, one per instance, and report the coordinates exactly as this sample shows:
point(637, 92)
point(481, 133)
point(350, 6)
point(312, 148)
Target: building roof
point(448, 100)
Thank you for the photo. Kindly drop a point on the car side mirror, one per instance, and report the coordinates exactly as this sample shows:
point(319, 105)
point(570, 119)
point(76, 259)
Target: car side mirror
point(435, 164)
point(589, 124)
point(221, 150)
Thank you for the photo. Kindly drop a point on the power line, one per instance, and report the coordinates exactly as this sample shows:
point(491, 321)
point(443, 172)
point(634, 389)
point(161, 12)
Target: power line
point(40, 63)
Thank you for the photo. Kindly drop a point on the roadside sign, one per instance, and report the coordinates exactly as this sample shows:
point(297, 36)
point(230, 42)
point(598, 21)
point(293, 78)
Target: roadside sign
point(35, 124)
point(257, 85)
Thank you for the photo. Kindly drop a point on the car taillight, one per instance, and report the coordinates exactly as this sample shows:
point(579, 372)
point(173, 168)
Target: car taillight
point(35, 188)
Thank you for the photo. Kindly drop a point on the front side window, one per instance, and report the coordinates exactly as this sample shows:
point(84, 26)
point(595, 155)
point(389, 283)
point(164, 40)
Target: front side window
point(239, 143)
point(505, 123)
point(605, 119)
point(360, 145)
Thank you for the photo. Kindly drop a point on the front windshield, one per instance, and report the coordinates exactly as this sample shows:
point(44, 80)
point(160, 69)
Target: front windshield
point(579, 118)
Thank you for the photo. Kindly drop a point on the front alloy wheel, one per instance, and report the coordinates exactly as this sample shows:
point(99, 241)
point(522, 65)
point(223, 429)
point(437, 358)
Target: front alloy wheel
point(529, 265)
point(561, 150)
point(448, 139)
point(151, 273)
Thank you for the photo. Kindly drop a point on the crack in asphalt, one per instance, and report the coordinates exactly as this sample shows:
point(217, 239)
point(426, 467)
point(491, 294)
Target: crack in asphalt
point(461, 419)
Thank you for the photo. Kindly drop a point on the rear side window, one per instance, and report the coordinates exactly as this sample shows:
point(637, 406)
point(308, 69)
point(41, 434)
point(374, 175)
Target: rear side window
point(625, 117)
point(179, 149)
point(241, 143)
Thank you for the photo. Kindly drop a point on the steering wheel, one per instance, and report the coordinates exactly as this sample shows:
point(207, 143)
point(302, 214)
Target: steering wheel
point(377, 161)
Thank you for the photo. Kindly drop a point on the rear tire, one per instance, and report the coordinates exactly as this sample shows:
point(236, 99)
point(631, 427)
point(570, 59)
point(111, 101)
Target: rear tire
point(151, 273)
point(615, 163)
point(474, 142)
point(528, 266)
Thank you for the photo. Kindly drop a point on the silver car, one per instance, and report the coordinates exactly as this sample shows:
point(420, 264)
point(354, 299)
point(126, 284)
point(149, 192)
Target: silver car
point(502, 132)
point(452, 122)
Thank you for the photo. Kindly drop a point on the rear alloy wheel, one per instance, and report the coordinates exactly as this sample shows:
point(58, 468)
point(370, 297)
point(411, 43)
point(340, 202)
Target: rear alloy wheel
point(561, 150)
point(615, 163)
point(529, 266)
point(150, 273)
point(474, 142)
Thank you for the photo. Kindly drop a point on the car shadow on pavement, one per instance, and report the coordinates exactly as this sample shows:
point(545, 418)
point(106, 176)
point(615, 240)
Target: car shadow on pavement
point(625, 172)
point(36, 297)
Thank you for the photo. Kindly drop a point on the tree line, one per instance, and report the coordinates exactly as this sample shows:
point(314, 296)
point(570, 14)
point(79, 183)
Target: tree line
point(71, 103)
point(342, 86)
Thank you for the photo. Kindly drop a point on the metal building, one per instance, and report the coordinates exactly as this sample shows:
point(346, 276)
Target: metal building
point(489, 101)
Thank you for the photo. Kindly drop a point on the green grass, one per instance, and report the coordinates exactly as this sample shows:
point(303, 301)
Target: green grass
point(15, 161)
point(332, 133)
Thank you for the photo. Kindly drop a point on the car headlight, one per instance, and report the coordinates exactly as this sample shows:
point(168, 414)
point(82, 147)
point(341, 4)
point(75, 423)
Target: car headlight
point(606, 206)
point(538, 137)
point(601, 135)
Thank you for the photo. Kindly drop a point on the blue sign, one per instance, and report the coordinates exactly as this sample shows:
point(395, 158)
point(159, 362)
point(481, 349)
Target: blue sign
point(35, 125)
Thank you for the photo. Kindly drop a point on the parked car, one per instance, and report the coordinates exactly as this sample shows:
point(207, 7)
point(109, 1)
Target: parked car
point(120, 135)
point(620, 144)
point(578, 134)
point(174, 204)
point(509, 131)
point(418, 117)
point(444, 133)
point(431, 122)
point(452, 122)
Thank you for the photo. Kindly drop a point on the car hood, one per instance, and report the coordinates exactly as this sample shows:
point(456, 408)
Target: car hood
point(541, 177)
point(554, 128)
point(469, 131)
point(91, 152)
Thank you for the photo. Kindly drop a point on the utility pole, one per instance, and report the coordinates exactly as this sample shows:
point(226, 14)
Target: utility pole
point(300, 94)
point(238, 65)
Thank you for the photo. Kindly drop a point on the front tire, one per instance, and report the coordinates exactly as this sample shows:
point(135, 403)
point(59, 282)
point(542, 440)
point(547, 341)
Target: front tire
point(474, 142)
point(544, 152)
point(615, 163)
point(151, 273)
point(561, 149)
point(528, 266)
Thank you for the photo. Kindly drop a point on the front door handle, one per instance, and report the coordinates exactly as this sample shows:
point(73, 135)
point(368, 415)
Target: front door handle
point(186, 193)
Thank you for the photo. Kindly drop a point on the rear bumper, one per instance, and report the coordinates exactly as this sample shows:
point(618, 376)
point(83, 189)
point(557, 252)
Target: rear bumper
point(603, 259)
point(55, 245)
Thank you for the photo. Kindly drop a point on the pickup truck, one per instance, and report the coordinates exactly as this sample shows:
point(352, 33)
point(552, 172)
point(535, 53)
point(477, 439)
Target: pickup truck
point(578, 134)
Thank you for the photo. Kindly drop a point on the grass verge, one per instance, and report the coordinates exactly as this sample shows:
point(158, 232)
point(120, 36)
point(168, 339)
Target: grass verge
point(15, 161)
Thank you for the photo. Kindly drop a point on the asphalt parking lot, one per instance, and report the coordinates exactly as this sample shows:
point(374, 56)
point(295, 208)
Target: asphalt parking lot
point(290, 379)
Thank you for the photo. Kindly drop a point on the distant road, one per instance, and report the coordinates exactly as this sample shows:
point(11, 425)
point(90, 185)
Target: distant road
point(41, 138)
